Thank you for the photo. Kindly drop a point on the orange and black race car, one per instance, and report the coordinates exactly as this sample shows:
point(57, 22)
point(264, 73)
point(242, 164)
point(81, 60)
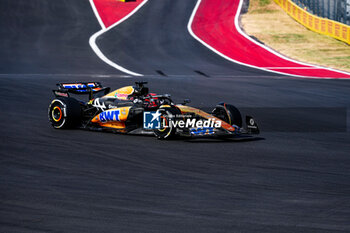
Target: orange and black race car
point(134, 110)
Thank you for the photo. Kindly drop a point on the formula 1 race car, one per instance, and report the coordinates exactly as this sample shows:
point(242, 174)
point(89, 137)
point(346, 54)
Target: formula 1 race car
point(133, 110)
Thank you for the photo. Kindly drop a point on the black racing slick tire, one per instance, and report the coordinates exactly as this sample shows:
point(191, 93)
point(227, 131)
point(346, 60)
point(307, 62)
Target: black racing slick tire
point(166, 130)
point(64, 113)
point(228, 113)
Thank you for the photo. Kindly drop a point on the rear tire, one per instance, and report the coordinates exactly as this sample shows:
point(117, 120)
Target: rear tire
point(64, 113)
point(228, 113)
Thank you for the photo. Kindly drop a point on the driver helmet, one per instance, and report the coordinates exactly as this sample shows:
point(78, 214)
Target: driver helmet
point(151, 102)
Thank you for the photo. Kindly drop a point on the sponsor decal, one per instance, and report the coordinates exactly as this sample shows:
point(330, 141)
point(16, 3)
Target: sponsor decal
point(202, 131)
point(112, 106)
point(57, 93)
point(99, 105)
point(251, 123)
point(74, 86)
point(78, 85)
point(111, 115)
point(122, 96)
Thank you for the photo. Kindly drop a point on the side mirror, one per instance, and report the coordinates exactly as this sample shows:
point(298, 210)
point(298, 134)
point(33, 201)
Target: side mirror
point(186, 101)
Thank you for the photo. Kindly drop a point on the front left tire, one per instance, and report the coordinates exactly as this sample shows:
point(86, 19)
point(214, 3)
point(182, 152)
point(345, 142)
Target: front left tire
point(228, 113)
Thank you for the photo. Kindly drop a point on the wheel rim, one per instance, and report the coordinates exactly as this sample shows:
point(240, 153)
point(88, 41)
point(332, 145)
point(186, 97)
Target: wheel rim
point(163, 127)
point(165, 130)
point(56, 114)
point(223, 116)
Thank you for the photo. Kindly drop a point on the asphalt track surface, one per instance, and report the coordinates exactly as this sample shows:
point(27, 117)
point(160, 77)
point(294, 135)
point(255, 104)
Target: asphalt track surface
point(158, 31)
point(82, 181)
point(44, 37)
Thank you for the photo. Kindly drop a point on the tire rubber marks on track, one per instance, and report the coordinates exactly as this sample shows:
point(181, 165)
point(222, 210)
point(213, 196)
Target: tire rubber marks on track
point(201, 73)
point(161, 73)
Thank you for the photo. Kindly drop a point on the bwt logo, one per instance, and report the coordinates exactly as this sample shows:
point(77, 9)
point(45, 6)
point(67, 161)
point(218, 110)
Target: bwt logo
point(109, 116)
point(151, 120)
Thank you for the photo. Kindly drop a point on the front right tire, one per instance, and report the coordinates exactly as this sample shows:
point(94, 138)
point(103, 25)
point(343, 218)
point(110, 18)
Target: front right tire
point(166, 130)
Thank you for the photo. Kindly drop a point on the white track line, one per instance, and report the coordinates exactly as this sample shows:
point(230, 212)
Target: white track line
point(97, 14)
point(93, 38)
point(293, 68)
point(189, 28)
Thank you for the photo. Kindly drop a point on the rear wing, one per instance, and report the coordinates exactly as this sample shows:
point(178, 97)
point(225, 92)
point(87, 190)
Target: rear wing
point(80, 88)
